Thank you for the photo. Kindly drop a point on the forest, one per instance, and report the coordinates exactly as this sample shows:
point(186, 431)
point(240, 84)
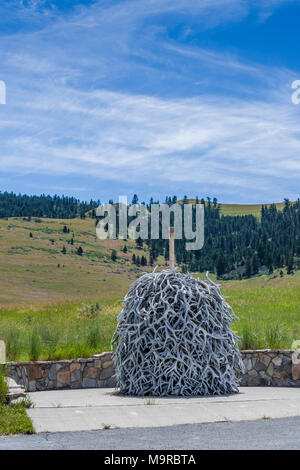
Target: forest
point(235, 247)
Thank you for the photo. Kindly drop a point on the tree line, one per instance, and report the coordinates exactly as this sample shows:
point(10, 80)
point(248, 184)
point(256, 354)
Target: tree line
point(237, 247)
point(56, 207)
point(234, 246)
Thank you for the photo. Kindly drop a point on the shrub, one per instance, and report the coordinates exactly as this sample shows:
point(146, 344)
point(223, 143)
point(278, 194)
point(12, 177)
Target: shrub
point(89, 312)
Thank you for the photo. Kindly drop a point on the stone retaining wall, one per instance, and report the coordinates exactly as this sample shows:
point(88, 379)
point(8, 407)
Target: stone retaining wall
point(271, 367)
point(262, 367)
point(93, 372)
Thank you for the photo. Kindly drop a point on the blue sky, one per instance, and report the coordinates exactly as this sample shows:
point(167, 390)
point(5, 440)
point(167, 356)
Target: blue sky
point(154, 97)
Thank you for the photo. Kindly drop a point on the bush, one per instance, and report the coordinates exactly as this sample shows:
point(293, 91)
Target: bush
point(89, 312)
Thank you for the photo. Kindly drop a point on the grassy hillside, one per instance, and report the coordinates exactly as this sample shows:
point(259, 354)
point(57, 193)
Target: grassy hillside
point(42, 291)
point(243, 209)
point(34, 271)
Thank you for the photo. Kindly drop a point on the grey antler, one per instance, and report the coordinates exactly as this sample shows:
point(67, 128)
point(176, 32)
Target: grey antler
point(174, 338)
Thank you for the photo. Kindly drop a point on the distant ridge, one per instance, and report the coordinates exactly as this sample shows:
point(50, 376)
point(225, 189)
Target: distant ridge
point(242, 209)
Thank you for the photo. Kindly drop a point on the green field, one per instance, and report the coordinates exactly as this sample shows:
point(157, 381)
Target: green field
point(268, 310)
point(42, 291)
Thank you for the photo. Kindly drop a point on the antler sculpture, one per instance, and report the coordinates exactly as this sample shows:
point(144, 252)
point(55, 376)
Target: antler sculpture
point(174, 338)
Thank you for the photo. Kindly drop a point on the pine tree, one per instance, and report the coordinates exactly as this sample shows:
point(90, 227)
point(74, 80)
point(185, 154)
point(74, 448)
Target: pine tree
point(290, 266)
point(220, 266)
point(248, 268)
point(80, 251)
point(139, 243)
point(113, 255)
point(271, 269)
point(255, 265)
point(135, 199)
point(143, 261)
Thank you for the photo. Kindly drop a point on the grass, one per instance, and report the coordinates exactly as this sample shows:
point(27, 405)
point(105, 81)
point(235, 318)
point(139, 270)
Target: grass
point(13, 416)
point(49, 312)
point(14, 420)
point(57, 332)
point(3, 386)
point(243, 209)
point(267, 307)
point(34, 271)
point(149, 401)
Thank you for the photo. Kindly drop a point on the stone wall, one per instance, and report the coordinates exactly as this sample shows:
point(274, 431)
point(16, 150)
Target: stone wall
point(271, 367)
point(93, 372)
point(262, 367)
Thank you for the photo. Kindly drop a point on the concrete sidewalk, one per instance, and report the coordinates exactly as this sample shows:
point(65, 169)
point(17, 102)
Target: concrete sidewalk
point(92, 409)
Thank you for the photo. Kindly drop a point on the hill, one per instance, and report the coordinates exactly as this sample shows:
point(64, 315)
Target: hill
point(34, 269)
point(43, 290)
point(40, 257)
point(243, 209)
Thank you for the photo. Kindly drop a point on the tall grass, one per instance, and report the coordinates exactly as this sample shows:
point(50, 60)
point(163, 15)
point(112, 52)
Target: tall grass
point(272, 336)
point(250, 337)
point(60, 332)
point(35, 345)
point(3, 386)
point(13, 344)
point(269, 318)
point(93, 336)
point(275, 336)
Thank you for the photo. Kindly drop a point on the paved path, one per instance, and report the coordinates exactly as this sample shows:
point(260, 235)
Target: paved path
point(94, 409)
point(264, 434)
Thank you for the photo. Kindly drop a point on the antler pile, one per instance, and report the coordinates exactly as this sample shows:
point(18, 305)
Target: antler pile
point(174, 338)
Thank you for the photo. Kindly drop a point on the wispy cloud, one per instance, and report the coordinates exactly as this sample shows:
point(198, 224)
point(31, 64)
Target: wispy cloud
point(105, 93)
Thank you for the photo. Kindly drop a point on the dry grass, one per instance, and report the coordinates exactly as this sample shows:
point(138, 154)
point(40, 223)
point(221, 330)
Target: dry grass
point(29, 269)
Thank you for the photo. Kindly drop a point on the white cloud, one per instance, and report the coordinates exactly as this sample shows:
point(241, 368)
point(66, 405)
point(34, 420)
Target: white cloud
point(102, 95)
point(126, 137)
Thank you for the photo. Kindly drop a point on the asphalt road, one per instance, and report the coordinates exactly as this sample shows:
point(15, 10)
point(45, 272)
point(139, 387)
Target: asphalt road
point(273, 434)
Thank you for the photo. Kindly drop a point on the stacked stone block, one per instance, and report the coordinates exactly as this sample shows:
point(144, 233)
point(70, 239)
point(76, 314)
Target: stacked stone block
point(263, 367)
point(268, 367)
point(93, 372)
